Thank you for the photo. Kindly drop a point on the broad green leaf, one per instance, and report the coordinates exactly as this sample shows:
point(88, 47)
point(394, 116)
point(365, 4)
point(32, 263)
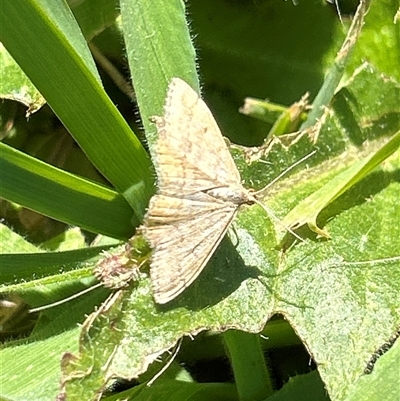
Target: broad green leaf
point(314, 288)
point(380, 19)
point(383, 382)
point(17, 86)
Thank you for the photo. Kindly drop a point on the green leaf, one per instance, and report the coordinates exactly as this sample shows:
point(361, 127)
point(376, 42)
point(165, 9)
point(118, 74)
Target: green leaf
point(12, 242)
point(17, 86)
point(170, 390)
point(384, 380)
point(156, 55)
point(380, 18)
point(17, 267)
point(64, 196)
point(302, 388)
point(51, 37)
point(41, 380)
point(308, 210)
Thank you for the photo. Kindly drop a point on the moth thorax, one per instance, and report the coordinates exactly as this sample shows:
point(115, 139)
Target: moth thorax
point(235, 194)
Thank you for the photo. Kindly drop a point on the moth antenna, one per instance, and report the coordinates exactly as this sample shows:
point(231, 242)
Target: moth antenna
point(62, 301)
point(275, 218)
point(168, 364)
point(266, 208)
point(285, 172)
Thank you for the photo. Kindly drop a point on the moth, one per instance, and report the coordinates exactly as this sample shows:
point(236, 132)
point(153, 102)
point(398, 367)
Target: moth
point(199, 192)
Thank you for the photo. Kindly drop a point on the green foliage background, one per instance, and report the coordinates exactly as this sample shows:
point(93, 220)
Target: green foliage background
point(340, 296)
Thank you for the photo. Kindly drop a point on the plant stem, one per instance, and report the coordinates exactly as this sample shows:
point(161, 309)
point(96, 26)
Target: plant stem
point(252, 378)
